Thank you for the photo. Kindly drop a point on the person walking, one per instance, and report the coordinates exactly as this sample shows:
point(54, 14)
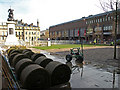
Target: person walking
point(94, 41)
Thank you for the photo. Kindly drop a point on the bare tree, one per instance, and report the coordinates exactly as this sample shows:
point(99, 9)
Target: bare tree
point(109, 4)
point(112, 5)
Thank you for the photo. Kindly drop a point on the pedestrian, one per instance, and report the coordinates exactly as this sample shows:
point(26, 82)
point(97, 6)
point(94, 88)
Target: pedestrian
point(111, 43)
point(94, 41)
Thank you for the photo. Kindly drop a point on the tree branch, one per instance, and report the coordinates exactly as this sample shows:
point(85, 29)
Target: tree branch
point(103, 6)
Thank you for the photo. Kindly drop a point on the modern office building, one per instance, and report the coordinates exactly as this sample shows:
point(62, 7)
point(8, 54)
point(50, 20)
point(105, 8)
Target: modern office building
point(100, 27)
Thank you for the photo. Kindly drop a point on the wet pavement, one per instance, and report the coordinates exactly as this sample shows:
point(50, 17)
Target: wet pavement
point(91, 77)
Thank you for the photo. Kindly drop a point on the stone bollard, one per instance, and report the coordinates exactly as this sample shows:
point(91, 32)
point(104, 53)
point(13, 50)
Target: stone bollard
point(49, 42)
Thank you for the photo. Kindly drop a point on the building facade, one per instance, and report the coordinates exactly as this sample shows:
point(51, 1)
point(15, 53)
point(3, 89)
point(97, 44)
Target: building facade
point(27, 33)
point(44, 35)
point(100, 27)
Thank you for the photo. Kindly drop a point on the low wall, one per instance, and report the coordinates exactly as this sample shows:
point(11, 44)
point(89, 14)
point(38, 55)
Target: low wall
point(64, 41)
point(53, 42)
point(45, 42)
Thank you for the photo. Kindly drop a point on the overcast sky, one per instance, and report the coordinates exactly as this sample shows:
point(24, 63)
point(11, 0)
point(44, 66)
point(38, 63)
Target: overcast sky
point(49, 12)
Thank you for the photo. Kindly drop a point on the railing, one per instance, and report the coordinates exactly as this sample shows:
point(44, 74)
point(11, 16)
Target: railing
point(10, 79)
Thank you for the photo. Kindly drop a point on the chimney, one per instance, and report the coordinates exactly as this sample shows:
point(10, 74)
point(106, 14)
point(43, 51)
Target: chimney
point(37, 22)
point(31, 24)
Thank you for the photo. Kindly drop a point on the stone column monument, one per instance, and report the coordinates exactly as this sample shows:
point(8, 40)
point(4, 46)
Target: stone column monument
point(11, 38)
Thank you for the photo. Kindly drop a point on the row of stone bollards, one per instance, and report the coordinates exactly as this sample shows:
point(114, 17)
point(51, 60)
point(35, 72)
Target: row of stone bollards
point(35, 70)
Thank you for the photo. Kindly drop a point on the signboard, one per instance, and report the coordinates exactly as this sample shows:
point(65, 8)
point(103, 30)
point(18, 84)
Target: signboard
point(71, 33)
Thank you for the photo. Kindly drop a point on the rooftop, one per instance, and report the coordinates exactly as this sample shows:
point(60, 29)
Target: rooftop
point(90, 16)
point(19, 23)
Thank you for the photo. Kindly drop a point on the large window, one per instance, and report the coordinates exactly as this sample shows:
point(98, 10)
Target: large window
point(107, 28)
point(67, 33)
point(111, 17)
point(22, 33)
point(71, 33)
point(103, 19)
point(2, 38)
point(82, 30)
point(62, 33)
point(92, 21)
point(76, 32)
point(100, 20)
point(26, 33)
point(19, 33)
point(16, 33)
point(108, 18)
point(52, 33)
point(57, 32)
point(29, 33)
point(96, 20)
point(3, 33)
point(6, 33)
point(98, 29)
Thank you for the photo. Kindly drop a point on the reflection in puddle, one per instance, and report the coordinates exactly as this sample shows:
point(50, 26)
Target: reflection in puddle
point(91, 77)
point(63, 86)
point(77, 67)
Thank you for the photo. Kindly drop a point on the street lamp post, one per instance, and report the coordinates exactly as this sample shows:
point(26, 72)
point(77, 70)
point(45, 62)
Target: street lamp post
point(81, 40)
point(115, 37)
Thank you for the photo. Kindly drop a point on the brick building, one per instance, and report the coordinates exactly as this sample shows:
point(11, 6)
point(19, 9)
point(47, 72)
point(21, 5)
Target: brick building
point(100, 27)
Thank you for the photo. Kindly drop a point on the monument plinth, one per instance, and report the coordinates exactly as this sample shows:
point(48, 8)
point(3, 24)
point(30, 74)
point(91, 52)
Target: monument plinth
point(11, 38)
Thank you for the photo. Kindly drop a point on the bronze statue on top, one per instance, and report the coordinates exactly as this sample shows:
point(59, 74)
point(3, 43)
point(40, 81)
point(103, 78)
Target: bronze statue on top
point(10, 16)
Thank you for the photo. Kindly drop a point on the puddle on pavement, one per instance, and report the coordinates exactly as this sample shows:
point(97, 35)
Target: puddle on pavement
point(91, 77)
